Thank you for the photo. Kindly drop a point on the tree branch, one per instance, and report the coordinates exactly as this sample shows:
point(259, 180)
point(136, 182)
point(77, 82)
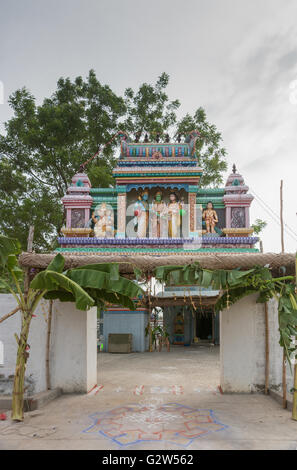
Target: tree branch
point(38, 179)
point(9, 314)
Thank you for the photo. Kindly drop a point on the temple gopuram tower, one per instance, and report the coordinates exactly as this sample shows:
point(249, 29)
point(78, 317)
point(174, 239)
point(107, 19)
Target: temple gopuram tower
point(157, 206)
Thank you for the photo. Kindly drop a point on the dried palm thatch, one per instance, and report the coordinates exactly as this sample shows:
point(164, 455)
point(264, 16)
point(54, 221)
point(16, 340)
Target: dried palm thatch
point(194, 301)
point(282, 263)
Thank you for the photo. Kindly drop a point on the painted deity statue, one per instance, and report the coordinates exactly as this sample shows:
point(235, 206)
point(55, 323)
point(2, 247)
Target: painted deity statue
point(173, 211)
point(179, 329)
point(159, 212)
point(141, 214)
point(103, 220)
point(210, 217)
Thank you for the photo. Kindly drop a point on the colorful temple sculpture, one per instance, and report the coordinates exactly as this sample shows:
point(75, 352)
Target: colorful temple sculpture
point(158, 208)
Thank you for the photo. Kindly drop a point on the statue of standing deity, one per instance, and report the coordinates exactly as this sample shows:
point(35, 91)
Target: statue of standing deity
point(210, 217)
point(103, 221)
point(173, 210)
point(159, 212)
point(141, 215)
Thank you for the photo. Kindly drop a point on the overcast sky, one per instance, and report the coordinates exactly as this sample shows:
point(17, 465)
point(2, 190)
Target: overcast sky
point(236, 58)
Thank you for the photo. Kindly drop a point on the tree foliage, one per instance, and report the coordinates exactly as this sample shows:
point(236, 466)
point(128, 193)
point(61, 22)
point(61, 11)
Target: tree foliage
point(209, 148)
point(259, 226)
point(44, 146)
point(149, 109)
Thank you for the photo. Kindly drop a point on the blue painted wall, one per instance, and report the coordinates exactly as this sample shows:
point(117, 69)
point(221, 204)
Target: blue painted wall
point(169, 314)
point(133, 322)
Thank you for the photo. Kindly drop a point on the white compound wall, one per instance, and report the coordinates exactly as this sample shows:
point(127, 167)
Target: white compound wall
point(73, 350)
point(242, 347)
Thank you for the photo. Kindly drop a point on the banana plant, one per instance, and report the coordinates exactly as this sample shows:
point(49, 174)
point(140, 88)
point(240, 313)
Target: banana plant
point(87, 286)
point(235, 284)
point(294, 408)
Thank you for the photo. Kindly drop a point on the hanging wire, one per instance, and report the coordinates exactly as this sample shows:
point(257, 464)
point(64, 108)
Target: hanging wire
point(273, 212)
point(274, 216)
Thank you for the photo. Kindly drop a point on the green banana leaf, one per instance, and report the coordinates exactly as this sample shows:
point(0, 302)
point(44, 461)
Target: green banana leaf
point(101, 297)
point(232, 296)
point(235, 276)
point(8, 246)
point(206, 279)
point(264, 296)
point(13, 267)
point(61, 294)
point(110, 268)
point(57, 264)
point(162, 272)
point(89, 278)
point(54, 281)
point(88, 285)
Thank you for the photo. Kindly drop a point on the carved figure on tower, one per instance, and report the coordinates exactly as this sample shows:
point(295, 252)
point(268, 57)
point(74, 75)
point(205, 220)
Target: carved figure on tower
point(159, 216)
point(174, 212)
point(141, 215)
point(210, 217)
point(103, 220)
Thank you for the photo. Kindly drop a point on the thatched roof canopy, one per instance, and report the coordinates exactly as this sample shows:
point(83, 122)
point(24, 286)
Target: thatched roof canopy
point(180, 301)
point(148, 262)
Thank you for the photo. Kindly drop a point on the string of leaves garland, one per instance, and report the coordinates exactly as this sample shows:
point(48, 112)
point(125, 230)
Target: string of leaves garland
point(237, 284)
point(86, 286)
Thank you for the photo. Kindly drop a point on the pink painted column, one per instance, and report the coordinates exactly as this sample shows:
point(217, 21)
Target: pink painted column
point(247, 217)
point(192, 218)
point(122, 205)
point(68, 218)
point(228, 216)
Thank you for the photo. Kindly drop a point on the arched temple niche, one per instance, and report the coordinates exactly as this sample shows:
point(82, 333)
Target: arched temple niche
point(206, 217)
point(157, 212)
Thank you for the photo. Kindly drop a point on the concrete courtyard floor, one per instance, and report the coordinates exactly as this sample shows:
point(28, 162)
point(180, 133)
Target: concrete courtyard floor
point(155, 401)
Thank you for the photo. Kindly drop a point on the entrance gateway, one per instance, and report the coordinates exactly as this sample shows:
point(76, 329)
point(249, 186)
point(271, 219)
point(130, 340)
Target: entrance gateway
point(158, 208)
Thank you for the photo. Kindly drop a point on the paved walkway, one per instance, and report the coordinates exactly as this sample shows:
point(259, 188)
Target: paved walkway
point(155, 401)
